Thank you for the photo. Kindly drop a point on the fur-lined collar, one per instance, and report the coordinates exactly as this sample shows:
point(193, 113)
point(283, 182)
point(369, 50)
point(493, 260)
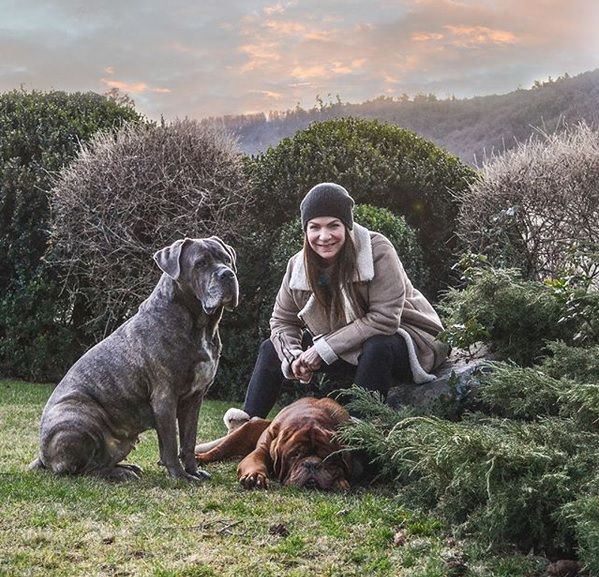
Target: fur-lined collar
point(365, 262)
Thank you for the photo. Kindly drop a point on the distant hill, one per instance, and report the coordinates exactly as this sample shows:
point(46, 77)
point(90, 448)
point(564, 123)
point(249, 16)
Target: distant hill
point(468, 128)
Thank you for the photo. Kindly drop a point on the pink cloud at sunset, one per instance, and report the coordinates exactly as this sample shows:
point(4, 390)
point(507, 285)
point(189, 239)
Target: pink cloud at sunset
point(214, 58)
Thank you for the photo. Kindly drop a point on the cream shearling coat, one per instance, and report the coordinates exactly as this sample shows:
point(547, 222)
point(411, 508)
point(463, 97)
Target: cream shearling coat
point(393, 305)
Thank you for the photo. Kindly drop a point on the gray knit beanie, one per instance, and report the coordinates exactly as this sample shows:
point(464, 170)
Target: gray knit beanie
point(328, 199)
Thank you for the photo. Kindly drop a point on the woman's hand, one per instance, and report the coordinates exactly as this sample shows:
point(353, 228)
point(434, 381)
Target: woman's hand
point(301, 371)
point(311, 359)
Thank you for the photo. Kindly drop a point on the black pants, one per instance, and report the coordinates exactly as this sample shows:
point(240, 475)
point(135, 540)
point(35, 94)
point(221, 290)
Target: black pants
point(383, 358)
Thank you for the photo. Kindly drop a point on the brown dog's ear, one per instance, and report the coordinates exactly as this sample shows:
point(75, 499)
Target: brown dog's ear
point(230, 250)
point(348, 461)
point(321, 439)
point(277, 453)
point(169, 258)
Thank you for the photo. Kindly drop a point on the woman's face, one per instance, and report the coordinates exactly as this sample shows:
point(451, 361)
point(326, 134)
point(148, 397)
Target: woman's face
point(326, 237)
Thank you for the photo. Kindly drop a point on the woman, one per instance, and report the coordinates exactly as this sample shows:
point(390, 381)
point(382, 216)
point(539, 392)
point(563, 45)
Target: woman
point(348, 290)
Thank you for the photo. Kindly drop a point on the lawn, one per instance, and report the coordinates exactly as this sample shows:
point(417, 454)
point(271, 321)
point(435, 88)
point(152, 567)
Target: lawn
point(164, 528)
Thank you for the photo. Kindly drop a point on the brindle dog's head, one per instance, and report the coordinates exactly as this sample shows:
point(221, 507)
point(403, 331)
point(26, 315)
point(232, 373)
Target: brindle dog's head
point(205, 268)
point(308, 457)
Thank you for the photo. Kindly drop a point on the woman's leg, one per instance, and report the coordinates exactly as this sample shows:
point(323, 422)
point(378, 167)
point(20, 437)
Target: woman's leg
point(384, 359)
point(266, 382)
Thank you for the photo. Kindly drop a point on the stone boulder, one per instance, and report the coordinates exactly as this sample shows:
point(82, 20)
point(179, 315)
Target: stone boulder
point(456, 377)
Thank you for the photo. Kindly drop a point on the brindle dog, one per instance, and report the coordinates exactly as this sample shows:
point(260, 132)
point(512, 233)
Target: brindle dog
point(151, 373)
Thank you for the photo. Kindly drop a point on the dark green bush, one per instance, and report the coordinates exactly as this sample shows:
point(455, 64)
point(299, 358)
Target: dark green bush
point(39, 134)
point(515, 316)
point(499, 480)
point(523, 470)
point(379, 164)
point(521, 392)
point(530, 393)
point(577, 363)
point(584, 515)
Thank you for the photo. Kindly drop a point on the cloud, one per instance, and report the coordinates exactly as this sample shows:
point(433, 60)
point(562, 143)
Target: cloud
point(274, 9)
point(269, 94)
point(466, 36)
point(426, 36)
point(309, 72)
point(212, 58)
point(133, 87)
point(260, 54)
point(285, 27)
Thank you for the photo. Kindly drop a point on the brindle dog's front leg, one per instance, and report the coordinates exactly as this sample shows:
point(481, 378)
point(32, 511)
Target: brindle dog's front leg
point(188, 411)
point(164, 408)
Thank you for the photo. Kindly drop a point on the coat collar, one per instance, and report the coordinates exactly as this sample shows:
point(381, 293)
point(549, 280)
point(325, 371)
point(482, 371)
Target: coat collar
point(364, 261)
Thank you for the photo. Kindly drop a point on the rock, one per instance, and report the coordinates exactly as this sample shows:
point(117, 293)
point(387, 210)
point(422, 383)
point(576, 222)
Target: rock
point(400, 538)
point(279, 529)
point(456, 377)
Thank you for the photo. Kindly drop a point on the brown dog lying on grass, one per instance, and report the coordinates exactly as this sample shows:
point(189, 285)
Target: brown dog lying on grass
point(297, 447)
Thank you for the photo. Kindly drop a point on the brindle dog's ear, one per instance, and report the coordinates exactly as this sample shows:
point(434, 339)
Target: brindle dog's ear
point(169, 258)
point(230, 250)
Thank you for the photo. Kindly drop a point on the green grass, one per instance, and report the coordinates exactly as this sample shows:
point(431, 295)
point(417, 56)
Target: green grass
point(159, 527)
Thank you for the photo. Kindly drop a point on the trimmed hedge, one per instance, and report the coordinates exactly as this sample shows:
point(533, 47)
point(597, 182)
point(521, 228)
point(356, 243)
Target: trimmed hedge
point(379, 164)
point(39, 134)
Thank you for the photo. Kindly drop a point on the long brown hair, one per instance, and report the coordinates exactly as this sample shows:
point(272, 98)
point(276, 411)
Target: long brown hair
point(342, 275)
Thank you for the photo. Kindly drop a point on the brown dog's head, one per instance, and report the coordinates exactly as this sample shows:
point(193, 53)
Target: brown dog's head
point(308, 457)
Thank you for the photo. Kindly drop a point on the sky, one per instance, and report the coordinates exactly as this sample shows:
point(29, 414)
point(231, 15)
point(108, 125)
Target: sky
point(215, 57)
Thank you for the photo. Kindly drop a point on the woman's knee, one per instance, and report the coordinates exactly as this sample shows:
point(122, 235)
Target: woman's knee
point(267, 350)
point(379, 346)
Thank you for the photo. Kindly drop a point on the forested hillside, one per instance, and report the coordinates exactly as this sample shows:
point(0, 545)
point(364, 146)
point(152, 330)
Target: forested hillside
point(469, 128)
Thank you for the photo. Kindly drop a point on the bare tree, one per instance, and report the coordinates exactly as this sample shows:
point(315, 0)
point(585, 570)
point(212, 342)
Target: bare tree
point(537, 206)
point(129, 194)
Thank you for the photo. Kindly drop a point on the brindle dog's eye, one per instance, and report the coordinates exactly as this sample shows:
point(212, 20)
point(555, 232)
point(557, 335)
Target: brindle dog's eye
point(201, 262)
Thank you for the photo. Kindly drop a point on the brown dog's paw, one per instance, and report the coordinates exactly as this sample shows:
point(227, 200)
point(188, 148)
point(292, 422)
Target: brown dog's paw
point(202, 458)
point(254, 481)
point(341, 485)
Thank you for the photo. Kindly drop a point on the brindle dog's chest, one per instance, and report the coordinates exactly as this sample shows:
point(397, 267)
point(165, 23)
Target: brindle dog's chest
point(206, 364)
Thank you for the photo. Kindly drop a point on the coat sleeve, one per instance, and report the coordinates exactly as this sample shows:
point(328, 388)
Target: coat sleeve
point(386, 298)
point(285, 326)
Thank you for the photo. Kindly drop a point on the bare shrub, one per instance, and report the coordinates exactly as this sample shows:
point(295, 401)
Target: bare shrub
point(129, 194)
point(537, 207)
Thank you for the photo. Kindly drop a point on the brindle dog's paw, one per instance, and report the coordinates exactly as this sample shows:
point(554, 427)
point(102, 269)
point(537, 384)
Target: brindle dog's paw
point(135, 468)
point(254, 481)
point(118, 473)
point(191, 476)
point(201, 474)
